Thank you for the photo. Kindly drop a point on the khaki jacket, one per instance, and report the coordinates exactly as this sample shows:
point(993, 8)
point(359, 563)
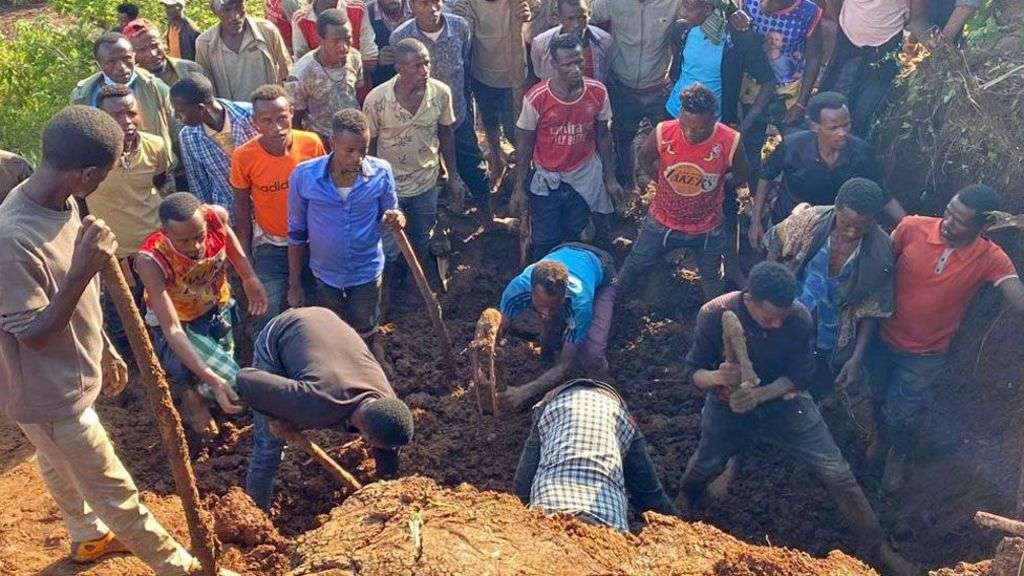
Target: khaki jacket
point(276, 63)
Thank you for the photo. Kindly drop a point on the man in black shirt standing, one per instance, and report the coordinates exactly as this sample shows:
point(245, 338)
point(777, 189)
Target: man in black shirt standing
point(311, 370)
point(814, 164)
point(780, 335)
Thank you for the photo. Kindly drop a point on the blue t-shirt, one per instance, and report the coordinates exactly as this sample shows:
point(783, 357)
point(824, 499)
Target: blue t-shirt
point(702, 62)
point(585, 275)
point(820, 295)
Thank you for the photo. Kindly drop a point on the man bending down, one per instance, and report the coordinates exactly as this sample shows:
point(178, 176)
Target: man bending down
point(312, 370)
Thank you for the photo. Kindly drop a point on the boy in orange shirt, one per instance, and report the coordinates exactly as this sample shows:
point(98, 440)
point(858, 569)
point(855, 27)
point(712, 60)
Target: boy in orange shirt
point(260, 170)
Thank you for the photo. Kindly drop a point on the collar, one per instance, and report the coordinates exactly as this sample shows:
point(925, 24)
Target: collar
point(934, 237)
point(250, 26)
point(367, 169)
point(446, 29)
point(106, 81)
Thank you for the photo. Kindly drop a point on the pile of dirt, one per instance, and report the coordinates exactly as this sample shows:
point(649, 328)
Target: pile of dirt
point(414, 526)
point(240, 524)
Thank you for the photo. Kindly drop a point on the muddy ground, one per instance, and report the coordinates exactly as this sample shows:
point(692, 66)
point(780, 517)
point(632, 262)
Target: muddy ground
point(969, 462)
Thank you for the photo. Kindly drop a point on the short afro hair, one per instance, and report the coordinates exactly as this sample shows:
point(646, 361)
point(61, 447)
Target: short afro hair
point(572, 3)
point(862, 196)
point(108, 39)
point(772, 282)
point(111, 91)
point(408, 46)
point(698, 99)
point(349, 120)
point(128, 9)
point(179, 207)
point(331, 17)
point(194, 89)
point(564, 42)
point(268, 93)
point(825, 101)
point(81, 137)
point(388, 421)
point(980, 198)
point(550, 276)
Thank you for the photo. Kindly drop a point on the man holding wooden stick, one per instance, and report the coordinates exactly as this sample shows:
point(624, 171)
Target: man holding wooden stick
point(312, 370)
point(54, 355)
point(779, 409)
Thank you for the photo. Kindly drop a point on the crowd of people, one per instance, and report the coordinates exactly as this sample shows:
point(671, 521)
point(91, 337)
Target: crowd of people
point(273, 161)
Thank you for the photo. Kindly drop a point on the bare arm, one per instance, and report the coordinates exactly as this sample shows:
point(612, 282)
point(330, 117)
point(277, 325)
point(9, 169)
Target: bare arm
point(918, 21)
point(740, 167)
point(526, 140)
point(243, 219)
point(811, 70)
point(955, 25)
point(850, 372)
point(648, 158)
point(1013, 292)
point(895, 210)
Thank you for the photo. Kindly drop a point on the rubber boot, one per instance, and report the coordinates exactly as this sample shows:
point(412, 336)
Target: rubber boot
point(854, 507)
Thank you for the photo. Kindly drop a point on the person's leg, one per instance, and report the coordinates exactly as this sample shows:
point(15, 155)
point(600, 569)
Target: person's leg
point(267, 453)
point(647, 248)
point(81, 453)
point(595, 362)
point(332, 298)
point(545, 223)
point(723, 433)
point(709, 263)
point(626, 117)
point(489, 106)
point(506, 116)
point(271, 266)
point(838, 75)
point(575, 213)
point(79, 519)
point(906, 401)
point(472, 168)
point(878, 72)
point(529, 459)
point(420, 217)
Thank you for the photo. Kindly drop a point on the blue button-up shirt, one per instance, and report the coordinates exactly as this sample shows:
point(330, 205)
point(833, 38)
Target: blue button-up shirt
point(343, 235)
point(206, 165)
point(820, 295)
point(449, 56)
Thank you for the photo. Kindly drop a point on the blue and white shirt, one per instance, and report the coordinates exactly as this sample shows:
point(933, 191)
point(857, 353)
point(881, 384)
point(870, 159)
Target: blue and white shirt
point(820, 294)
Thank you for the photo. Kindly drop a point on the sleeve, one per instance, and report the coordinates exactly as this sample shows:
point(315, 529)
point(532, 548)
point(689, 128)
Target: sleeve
point(240, 171)
point(203, 59)
point(298, 232)
point(22, 286)
point(372, 110)
point(299, 44)
point(516, 298)
point(899, 236)
point(447, 112)
point(818, 13)
point(464, 8)
point(278, 397)
point(357, 67)
point(1000, 267)
point(605, 114)
point(389, 198)
point(318, 148)
point(528, 116)
point(642, 483)
point(774, 164)
point(706, 351)
point(529, 460)
point(296, 89)
point(583, 315)
point(368, 38)
point(163, 159)
point(198, 183)
point(281, 55)
point(801, 367)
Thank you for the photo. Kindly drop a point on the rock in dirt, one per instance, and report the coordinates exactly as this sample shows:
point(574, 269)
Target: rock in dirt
point(413, 526)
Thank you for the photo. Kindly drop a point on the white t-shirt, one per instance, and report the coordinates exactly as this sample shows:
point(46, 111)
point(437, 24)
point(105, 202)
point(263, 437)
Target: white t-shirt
point(873, 22)
point(344, 192)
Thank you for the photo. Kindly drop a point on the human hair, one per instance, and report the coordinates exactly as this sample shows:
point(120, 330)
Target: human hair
point(408, 46)
point(80, 137)
point(128, 9)
point(550, 276)
point(107, 38)
point(697, 99)
point(581, 3)
point(179, 207)
point(861, 195)
point(349, 120)
point(113, 91)
point(564, 42)
point(194, 89)
point(825, 101)
point(388, 421)
point(980, 198)
point(328, 18)
point(268, 93)
point(772, 282)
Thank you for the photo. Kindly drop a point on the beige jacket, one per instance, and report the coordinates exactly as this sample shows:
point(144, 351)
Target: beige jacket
point(275, 63)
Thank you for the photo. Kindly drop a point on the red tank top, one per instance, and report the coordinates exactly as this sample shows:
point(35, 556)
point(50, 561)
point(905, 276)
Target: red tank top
point(691, 178)
point(194, 286)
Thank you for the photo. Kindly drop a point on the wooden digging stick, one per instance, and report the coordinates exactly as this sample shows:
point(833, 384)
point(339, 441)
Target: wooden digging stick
point(154, 381)
point(481, 354)
point(433, 306)
point(299, 440)
point(995, 522)
point(735, 342)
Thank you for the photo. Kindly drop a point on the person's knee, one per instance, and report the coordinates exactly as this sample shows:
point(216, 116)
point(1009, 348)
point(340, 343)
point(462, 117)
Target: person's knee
point(835, 474)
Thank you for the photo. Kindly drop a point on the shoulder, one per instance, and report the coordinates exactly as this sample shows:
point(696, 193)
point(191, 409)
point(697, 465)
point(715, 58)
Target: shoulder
point(378, 93)
point(598, 33)
point(246, 151)
point(801, 318)
point(306, 64)
point(439, 88)
point(216, 216)
point(206, 37)
point(801, 138)
point(403, 30)
point(546, 36)
point(595, 86)
point(710, 314)
point(538, 90)
point(309, 141)
point(83, 86)
point(379, 165)
point(265, 26)
point(457, 22)
point(310, 168)
point(912, 224)
point(151, 142)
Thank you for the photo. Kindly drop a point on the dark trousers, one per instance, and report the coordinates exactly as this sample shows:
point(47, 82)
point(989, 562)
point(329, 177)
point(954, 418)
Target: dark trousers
point(469, 158)
point(496, 108)
point(358, 306)
point(558, 217)
point(864, 75)
point(654, 240)
point(112, 320)
point(755, 137)
point(629, 108)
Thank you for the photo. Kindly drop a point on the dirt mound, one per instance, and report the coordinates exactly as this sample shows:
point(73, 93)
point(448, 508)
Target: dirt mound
point(415, 526)
point(240, 524)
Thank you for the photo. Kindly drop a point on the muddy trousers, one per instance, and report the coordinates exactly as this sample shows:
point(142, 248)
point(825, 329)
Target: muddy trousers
point(654, 240)
point(95, 493)
point(794, 424)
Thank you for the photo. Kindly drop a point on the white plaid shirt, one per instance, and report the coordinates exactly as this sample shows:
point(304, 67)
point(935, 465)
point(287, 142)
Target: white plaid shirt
point(584, 433)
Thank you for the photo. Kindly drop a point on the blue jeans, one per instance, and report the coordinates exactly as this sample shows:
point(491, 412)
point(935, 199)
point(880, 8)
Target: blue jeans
point(901, 386)
point(654, 240)
point(865, 75)
point(267, 454)
point(558, 217)
point(794, 424)
point(271, 266)
point(470, 158)
point(420, 216)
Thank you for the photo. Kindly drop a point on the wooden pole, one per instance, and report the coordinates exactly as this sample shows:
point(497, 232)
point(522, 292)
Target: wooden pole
point(299, 440)
point(154, 381)
point(995, 522)
point(433, 306)
point(481, 354)
point(735, 342)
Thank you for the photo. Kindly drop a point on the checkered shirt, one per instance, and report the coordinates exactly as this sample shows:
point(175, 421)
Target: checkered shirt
point(584, 433)
point(206, 164)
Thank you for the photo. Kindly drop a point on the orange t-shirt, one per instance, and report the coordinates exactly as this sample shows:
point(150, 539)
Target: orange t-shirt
point(934, 284)
point(266, 177)
point(174, 42)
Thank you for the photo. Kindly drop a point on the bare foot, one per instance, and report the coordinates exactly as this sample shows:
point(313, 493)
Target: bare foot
point(197, 416)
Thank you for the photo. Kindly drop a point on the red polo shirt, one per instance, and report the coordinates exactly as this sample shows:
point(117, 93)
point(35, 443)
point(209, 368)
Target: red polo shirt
point(934, 284)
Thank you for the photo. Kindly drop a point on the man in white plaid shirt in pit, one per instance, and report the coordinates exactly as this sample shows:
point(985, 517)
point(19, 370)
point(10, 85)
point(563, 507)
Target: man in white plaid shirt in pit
point(584, 454)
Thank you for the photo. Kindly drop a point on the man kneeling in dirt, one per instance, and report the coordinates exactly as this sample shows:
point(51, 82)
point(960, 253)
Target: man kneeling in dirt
point(311, 370)
point(584, 454)
point(780, 335)
point(572, 291)
point(183, 267)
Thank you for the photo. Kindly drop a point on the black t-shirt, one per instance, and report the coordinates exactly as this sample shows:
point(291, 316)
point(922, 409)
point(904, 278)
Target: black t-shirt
point(807, 178)
point(787, 351)
point(311, 369)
